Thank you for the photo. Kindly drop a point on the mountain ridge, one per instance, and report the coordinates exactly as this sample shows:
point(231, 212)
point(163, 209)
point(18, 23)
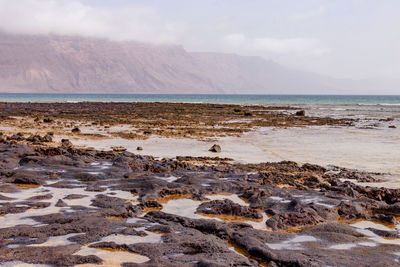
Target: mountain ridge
point(73, 64)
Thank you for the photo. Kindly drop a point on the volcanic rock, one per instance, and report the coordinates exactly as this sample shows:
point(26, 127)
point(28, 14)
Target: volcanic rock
point(215, 148)
point(228, 207)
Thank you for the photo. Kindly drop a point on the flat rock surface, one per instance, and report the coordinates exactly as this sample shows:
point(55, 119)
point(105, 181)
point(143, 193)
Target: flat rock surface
point(64, 206)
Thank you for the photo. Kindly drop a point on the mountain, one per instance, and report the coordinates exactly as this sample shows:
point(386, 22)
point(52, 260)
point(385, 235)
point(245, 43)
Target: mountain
point(64, 64)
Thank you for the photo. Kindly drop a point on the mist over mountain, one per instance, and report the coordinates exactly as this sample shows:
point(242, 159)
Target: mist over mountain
point(65, 64)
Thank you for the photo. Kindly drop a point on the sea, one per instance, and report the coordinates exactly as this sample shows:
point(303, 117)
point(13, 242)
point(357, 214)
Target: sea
point(382, 100)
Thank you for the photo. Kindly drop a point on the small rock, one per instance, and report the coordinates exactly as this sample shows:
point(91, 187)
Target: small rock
point(60, 203)
point(47, 120)
point(17, 137)
point(76, 130)
point(118, 148)
point(34, 139)
point(215, 148)
point(385, 218)
point(301, 113)
point(228, 207)
point(392, 126)
point(28, 180)
point(139, 148)
point(37, 139)
point(74, 196)
point(41, 197)
point(65, 143)
point(384, 233)
point(47, 138)
point(351, 211)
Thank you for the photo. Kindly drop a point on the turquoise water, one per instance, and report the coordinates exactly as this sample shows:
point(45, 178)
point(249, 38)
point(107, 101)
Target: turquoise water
point(222, 99)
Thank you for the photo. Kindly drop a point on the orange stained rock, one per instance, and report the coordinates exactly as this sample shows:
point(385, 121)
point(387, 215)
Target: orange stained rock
point(157, 232)
point(231, 218)
point(228, 194)
point(146, 210)
point(296, 229)
point(116, 250)
point(27, 186)
point(351, 221)
point(238, 249)
point(167, 198)
point(220, 194)
point(115, 218)
point(285, 186)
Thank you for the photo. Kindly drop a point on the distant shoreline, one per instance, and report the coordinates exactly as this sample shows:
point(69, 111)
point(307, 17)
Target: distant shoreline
point(244, 99)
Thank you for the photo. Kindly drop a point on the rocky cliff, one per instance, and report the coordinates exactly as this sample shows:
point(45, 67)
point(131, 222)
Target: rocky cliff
point(66, 64)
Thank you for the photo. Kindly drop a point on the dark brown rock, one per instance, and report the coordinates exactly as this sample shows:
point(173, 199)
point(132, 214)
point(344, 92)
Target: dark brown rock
point(215, 148)
point(228, 207)
point(66, 143)
point(301, 113)
point(61, 203)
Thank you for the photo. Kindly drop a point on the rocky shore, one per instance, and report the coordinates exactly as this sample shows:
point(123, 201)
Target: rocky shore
point(143, 120)
point(65, 206)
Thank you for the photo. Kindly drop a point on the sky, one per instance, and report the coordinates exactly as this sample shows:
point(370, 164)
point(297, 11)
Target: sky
point(354, 39)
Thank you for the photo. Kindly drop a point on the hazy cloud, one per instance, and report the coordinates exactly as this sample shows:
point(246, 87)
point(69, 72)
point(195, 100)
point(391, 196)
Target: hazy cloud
point(306, 46)
point(342, 38)
point(311, 14)
point(72, 17)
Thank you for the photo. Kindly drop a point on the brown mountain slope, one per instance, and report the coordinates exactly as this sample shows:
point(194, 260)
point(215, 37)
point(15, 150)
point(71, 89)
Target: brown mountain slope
point(86, 65)
point(73, 64)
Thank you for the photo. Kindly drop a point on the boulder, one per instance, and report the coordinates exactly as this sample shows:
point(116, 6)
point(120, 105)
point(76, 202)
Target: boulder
point(34, 139)
point(301, 113)
point(215, 148)
point(37, 139)
point(47, 138)
point(228, 207)
point(286, 220)
point(29, 180)
point(118, 149)
point(351, 210)
point(66, 143)
point(60, 203)
point(17, 137)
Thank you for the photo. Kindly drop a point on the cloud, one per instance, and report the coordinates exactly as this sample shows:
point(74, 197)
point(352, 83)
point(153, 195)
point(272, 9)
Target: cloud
point(140, 23)
point(235, 40)
point(311, 14)
point(300, 35)
point(72, 17)
point(305, 46)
